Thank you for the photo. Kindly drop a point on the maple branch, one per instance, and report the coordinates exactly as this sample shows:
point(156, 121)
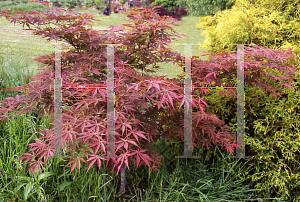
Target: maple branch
point(135, 52)
point(7, 175)
point(72, 43)
point(123, 182)
point(140, 49)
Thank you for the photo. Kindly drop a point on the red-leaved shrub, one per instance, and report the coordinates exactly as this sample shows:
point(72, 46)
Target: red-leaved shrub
point(179, 12)
point(162, 11)
point(143, 42)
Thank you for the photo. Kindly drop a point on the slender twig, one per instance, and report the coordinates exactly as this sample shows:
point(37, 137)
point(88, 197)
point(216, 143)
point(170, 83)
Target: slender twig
point(7, 175)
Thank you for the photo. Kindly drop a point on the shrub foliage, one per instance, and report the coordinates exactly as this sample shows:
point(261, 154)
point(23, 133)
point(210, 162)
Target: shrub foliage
point(69, 3)
point(23, 7)
point(272, 125)
point(207, 7)
point(265, 23)
point(87, 109)
point(140, 100)
point(168, 4)
point(176, 13)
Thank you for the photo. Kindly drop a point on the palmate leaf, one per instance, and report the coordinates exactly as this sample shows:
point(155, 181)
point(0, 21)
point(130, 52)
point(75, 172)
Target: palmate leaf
point(124, 125)
point(141, 156)
point(135, 133)
point(199, 101)
point(75, 161)
point(35, 164)
point(95, 158)
point(46, 152)
point(157, 159)
point(28, 157)
point(97, 143)
point(124, 143)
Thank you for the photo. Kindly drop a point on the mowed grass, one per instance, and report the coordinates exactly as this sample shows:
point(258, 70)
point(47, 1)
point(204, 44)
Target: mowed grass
point(19, 47)
point(186, 27)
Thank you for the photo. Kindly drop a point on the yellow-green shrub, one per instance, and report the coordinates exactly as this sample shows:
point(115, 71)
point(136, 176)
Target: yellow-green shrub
point(268, 23)
point(274, 128)
point(272, 136)
point(207, 7)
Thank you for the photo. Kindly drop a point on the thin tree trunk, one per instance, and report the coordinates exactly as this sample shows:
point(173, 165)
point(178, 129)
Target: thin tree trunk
point(123, 181)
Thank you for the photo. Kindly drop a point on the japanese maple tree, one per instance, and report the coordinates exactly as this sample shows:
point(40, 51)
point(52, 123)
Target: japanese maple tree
point(144, 41)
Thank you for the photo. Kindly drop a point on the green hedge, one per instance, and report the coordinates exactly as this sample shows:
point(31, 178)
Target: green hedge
point(23, 7)
point(196, 7)
point(101, 3)
point(16, 2)
point(69, 3)
point(207, 7)
point(167, 4)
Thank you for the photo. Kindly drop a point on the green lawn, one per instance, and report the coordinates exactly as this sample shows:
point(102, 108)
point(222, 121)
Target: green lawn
point(187, 27)
point(21, 46)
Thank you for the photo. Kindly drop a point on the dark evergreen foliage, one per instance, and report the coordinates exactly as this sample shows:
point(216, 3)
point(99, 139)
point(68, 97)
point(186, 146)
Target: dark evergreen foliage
point(176, 13)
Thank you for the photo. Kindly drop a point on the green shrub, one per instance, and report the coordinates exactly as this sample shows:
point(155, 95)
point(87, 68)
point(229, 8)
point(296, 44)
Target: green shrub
point(168, 4)
point(272, 125)
point(23, 7)
point(69, 3)
point(274, 128)
point(101, 3)
point(207, 7)
point(6, 4)
point(89, 3)
point(182, 3)
point(272, 136)
point(16, 2)
point(268, 23)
